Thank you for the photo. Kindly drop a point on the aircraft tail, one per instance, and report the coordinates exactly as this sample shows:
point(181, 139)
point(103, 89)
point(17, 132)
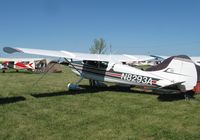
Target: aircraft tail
point(180, 69)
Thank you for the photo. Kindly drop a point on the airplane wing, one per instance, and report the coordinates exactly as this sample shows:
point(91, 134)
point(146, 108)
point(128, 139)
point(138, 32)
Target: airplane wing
point(159, 57)
point(19, 59)
point(80, 56)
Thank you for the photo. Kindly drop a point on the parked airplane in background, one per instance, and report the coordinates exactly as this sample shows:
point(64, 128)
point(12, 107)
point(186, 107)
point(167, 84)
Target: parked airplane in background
point(19, 63)
point(176, 72)
point(195, 59)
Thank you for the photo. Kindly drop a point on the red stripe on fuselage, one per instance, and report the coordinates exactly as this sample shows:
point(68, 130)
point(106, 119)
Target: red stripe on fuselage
point(19, 64)
point(113, 74)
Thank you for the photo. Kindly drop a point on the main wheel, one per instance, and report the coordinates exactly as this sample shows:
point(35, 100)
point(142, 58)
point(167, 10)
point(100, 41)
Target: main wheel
point(73, 87)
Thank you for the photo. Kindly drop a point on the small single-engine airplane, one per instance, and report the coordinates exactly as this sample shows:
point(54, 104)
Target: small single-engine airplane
point(19, 63)
point(176, 72)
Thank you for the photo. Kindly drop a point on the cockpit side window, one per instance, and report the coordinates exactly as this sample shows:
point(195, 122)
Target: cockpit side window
point(96, 64)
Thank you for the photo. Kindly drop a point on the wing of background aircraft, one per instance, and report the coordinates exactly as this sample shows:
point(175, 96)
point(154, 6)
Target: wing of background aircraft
point(195, 59)
point(159, 57)
point(80, 56)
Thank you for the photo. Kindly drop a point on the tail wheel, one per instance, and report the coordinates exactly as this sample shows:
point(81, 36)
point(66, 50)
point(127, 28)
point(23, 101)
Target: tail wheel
point(189, 94)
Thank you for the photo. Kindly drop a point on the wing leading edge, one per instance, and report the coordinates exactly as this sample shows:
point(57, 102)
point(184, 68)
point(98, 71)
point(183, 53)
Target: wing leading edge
point(79, 56)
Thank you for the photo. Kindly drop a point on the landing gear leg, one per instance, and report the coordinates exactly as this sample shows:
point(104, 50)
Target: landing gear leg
point(93, 83)
point(75, 86)
point(186, 96)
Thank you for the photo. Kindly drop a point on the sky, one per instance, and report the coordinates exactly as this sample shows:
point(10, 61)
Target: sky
point(159, 27)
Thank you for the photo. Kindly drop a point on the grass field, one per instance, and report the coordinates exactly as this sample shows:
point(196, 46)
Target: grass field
point(46, 110)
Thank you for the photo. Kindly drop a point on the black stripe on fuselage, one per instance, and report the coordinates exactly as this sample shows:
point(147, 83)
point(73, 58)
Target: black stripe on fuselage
point(101, 72)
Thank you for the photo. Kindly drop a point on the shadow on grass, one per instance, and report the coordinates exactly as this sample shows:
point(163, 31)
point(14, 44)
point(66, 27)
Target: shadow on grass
point(8, 100)
point(178, 96)
point(84, 90)
point(87, 89)
point(171, 97)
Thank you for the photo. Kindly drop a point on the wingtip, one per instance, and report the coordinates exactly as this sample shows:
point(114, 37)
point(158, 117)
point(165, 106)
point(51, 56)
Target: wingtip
point(11, 50)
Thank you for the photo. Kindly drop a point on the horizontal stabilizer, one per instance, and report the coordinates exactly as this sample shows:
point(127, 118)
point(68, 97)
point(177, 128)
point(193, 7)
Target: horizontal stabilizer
point(171, 85)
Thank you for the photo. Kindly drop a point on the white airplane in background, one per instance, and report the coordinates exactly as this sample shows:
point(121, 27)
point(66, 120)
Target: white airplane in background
point(177, 72)
point(195, 59)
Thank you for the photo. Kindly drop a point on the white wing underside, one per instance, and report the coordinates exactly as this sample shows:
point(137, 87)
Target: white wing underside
point(80, 56)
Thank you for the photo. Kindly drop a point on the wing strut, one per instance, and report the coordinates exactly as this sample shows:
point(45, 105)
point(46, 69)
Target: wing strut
point(72, 66)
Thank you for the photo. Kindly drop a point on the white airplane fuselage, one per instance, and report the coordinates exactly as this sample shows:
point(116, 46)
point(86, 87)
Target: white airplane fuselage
point(178, 72)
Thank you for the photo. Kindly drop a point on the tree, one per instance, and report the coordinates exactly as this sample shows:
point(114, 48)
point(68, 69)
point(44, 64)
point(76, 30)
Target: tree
point(99, 46)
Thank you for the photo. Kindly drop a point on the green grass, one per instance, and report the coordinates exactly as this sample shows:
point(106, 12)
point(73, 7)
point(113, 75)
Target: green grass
point(46, 110)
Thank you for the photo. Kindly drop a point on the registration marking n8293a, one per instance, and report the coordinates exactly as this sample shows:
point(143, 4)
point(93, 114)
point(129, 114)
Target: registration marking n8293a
point(136, 78)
